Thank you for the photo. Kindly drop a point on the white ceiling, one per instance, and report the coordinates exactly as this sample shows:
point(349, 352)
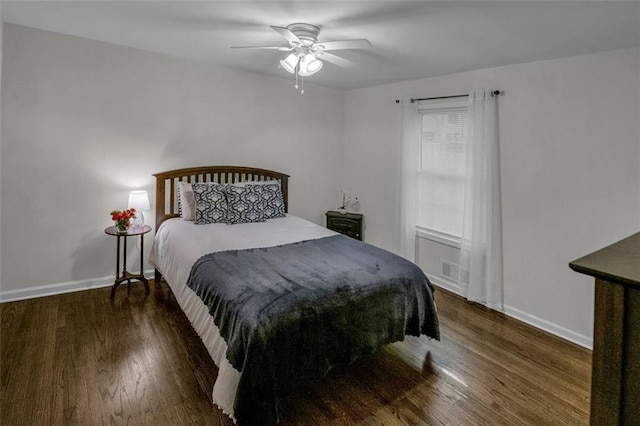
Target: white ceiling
point(411, 39)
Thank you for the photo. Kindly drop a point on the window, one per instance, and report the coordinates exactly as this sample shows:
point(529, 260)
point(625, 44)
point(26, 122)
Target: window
point(443, 147)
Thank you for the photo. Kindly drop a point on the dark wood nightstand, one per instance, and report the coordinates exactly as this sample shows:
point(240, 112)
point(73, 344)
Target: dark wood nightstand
point(126, 275)
point(349, 224)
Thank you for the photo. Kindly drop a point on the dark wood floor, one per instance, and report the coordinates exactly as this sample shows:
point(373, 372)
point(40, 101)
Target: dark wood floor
point(82, 359)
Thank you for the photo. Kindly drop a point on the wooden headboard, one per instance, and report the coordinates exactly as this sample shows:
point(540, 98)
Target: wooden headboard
point(167, 204)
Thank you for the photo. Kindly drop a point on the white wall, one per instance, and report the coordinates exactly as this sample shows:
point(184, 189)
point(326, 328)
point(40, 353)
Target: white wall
point(569, 135)
point(1, 32)
point(85, 122)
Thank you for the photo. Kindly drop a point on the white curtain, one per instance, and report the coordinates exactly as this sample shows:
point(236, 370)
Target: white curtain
point(481, 248)
point(408, 162)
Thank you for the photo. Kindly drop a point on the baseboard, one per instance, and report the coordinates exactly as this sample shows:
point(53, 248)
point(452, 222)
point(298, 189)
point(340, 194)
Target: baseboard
point(60, 288)
point(542, 324)
point(548, 326)
point(446, 284)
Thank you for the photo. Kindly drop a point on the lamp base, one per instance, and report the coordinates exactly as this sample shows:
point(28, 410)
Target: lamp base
point(138, 221)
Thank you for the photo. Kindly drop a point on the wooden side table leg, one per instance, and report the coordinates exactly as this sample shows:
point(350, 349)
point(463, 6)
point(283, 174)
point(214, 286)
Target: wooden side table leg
point(118, 258)
point(124, 257)
point(115, 284)
point(144, 280)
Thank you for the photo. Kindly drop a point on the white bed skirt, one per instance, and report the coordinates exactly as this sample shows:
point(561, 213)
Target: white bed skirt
point(226, 384)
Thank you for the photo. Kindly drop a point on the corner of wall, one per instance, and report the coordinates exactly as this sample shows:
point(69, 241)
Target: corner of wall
point(1, 38)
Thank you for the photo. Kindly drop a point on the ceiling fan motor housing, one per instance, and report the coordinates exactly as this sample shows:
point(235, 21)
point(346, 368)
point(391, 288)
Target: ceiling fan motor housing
point(307, 33)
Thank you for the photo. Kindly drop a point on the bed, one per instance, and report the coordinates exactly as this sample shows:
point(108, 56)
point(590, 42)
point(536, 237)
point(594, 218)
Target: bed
point(278, 302)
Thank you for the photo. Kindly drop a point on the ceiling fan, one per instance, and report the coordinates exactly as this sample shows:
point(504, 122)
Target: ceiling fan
point(307, 53)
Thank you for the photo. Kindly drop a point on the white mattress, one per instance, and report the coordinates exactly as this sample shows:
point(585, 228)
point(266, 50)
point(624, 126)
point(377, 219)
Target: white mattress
point(178, 244)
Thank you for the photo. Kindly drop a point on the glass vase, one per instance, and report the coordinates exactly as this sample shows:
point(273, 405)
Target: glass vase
point(122, 226)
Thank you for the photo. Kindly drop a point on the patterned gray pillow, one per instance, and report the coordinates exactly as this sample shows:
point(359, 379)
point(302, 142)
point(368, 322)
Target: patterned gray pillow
point(245, 204)
point(273, 200)
point(211, 203)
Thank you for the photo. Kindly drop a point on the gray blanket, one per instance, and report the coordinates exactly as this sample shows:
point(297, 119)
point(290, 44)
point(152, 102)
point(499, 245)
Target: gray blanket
point(290, 313)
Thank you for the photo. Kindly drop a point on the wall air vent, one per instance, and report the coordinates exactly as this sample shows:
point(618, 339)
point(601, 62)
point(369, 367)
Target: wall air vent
point(450, 270)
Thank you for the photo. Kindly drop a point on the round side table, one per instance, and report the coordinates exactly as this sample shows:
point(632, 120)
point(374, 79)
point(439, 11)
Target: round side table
point(126, 275)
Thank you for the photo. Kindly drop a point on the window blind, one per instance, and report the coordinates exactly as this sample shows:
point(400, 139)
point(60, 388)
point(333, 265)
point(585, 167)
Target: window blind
point(443, 147)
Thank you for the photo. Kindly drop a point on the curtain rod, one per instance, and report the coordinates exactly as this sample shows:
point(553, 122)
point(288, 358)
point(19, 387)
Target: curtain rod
point(494, 93)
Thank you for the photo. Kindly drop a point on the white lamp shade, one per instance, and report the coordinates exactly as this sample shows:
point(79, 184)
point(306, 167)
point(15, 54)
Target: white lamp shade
point(309, 65)
point(289, 63)
point(139, 200)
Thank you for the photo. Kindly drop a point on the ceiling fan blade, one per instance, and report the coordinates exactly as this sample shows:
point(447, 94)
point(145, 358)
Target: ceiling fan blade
point(282, 48)
point(336, 60)
point(344, 44)
point(284, 32)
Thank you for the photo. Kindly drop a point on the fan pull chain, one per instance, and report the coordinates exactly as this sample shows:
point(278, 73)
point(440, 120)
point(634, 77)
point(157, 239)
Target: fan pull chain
point(301, 86)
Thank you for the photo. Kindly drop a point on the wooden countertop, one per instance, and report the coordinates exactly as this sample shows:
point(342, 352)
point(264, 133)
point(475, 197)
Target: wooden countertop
point(617, 263)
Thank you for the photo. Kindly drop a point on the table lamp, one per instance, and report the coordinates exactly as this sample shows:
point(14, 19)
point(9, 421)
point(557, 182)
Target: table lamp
point(139, 200)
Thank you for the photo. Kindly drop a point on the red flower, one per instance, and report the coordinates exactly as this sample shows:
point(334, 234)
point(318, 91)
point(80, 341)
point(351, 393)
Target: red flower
point(123, 215)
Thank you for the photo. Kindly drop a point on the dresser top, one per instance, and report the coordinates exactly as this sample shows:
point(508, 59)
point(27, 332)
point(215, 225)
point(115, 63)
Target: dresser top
point(618, 263)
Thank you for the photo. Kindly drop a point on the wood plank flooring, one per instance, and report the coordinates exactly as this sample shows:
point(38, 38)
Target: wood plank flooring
point(81, 359)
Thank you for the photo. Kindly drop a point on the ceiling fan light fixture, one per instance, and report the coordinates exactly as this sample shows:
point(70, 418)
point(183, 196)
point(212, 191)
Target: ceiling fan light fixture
point(309, 65)
point(289, 63)
point(307, 55)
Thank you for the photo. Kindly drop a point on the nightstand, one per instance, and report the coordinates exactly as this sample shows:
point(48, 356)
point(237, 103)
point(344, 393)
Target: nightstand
point(349, 224)
point(126, 275)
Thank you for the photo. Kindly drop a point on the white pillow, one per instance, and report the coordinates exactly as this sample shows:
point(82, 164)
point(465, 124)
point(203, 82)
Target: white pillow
point(186, 201)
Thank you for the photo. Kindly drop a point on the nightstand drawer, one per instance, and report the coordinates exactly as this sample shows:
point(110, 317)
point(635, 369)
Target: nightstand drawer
point(349, 224)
